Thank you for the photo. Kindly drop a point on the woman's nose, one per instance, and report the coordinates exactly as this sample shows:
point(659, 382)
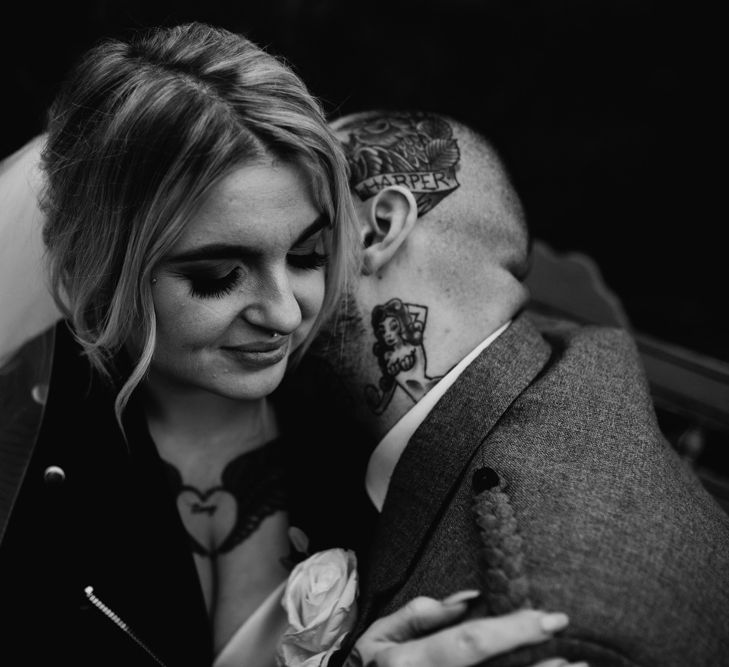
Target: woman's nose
point(274, 306)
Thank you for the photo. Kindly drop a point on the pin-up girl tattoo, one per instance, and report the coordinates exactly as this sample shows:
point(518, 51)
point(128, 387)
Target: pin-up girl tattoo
point(399, 349)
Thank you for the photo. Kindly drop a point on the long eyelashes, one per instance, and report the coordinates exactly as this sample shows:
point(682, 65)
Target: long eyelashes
point(209, 287)
point(312, 260)
point(204, 286)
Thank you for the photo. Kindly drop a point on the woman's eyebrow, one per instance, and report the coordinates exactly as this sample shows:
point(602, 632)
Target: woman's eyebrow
point(209, 251)
point(216, 251)
point(320, 223)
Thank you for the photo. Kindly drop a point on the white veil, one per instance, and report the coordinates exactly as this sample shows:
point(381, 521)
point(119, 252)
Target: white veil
point(26, 310)
point(26, 306)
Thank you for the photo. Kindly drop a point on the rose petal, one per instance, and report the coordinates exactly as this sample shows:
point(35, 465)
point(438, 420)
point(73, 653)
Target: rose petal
point(320, 604)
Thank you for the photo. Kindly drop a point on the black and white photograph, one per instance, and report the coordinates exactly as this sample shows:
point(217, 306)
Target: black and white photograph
point(345, 334)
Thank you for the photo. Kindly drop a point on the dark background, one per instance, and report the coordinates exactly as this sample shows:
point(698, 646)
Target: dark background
point(603, 111)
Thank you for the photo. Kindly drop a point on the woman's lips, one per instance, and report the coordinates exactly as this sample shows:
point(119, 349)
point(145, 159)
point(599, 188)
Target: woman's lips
point(259, 354)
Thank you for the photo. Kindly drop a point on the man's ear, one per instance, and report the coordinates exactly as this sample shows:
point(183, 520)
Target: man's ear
point(389, 217)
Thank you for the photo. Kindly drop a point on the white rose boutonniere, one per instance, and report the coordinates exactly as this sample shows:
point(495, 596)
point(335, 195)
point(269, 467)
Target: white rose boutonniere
point(320, 602)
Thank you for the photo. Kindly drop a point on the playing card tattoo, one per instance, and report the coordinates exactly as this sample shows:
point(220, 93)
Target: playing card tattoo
point(399, 328)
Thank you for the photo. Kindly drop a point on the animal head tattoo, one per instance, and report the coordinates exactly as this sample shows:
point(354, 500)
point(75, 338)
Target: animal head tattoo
point(399, 329)
point(414, 149)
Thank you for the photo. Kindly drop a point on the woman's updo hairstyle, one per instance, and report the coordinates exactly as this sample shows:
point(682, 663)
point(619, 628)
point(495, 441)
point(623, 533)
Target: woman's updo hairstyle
point(138, 135)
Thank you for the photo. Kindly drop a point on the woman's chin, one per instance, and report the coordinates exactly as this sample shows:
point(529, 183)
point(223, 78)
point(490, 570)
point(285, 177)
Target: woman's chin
point(254, 385)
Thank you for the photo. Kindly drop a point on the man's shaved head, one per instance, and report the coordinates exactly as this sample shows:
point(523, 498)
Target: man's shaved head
point(444, 249)
point(462, 190)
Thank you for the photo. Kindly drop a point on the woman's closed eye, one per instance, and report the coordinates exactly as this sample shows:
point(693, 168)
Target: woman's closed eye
point(216, 279)
point(310, 260)
point(211, 284)
point(308, 253)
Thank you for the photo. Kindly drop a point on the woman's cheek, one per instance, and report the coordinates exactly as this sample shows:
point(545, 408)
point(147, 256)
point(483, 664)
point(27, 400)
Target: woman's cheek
point(313, 296)
point(191, 321)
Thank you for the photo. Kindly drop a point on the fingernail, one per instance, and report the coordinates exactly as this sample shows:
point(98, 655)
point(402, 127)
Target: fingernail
point(554, 622)
point(578, 664)
point(461, 596)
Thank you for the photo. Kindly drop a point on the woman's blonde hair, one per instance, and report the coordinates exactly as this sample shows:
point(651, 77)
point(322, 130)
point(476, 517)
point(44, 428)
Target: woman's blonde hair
point(139, 134)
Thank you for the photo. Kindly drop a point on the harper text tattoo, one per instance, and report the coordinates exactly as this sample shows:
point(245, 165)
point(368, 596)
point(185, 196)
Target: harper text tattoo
point(414, 149)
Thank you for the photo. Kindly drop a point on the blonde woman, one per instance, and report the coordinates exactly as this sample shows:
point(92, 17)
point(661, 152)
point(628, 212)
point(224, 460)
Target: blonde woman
point(198, 230)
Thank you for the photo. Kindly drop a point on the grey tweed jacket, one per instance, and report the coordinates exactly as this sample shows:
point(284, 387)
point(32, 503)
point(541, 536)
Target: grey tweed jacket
point(542, 479)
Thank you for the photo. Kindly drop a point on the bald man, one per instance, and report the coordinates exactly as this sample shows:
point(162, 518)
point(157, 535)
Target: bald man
point(514, 456)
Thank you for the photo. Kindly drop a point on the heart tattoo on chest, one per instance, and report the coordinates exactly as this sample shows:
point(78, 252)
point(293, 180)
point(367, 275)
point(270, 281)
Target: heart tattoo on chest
point(219, 518)
point(209, 517)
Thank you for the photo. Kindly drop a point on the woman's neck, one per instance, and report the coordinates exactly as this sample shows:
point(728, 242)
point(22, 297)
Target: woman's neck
point(187, 424)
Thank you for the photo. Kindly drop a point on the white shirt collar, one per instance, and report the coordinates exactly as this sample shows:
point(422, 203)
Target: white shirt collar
point(387, 453)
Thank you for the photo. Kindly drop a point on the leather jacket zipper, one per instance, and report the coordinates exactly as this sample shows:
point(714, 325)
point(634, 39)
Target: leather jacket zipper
point(114, 618)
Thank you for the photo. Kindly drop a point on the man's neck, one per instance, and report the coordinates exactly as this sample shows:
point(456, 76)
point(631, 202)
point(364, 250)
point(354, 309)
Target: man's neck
point(442, 355)
point(397, 339)
point(386, 454)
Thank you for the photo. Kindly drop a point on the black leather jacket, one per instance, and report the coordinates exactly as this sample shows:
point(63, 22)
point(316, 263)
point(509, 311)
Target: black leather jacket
point(91, 512)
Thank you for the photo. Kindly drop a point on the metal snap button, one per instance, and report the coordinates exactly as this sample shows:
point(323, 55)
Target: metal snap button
point(40, 393)
point(54, 475)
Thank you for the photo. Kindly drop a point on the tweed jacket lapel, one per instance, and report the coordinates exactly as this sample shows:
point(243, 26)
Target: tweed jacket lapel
point(439, 452)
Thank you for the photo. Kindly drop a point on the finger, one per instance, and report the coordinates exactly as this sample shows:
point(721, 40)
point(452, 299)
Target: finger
point(472, 642)
point(560, 662)
point(419, 616)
